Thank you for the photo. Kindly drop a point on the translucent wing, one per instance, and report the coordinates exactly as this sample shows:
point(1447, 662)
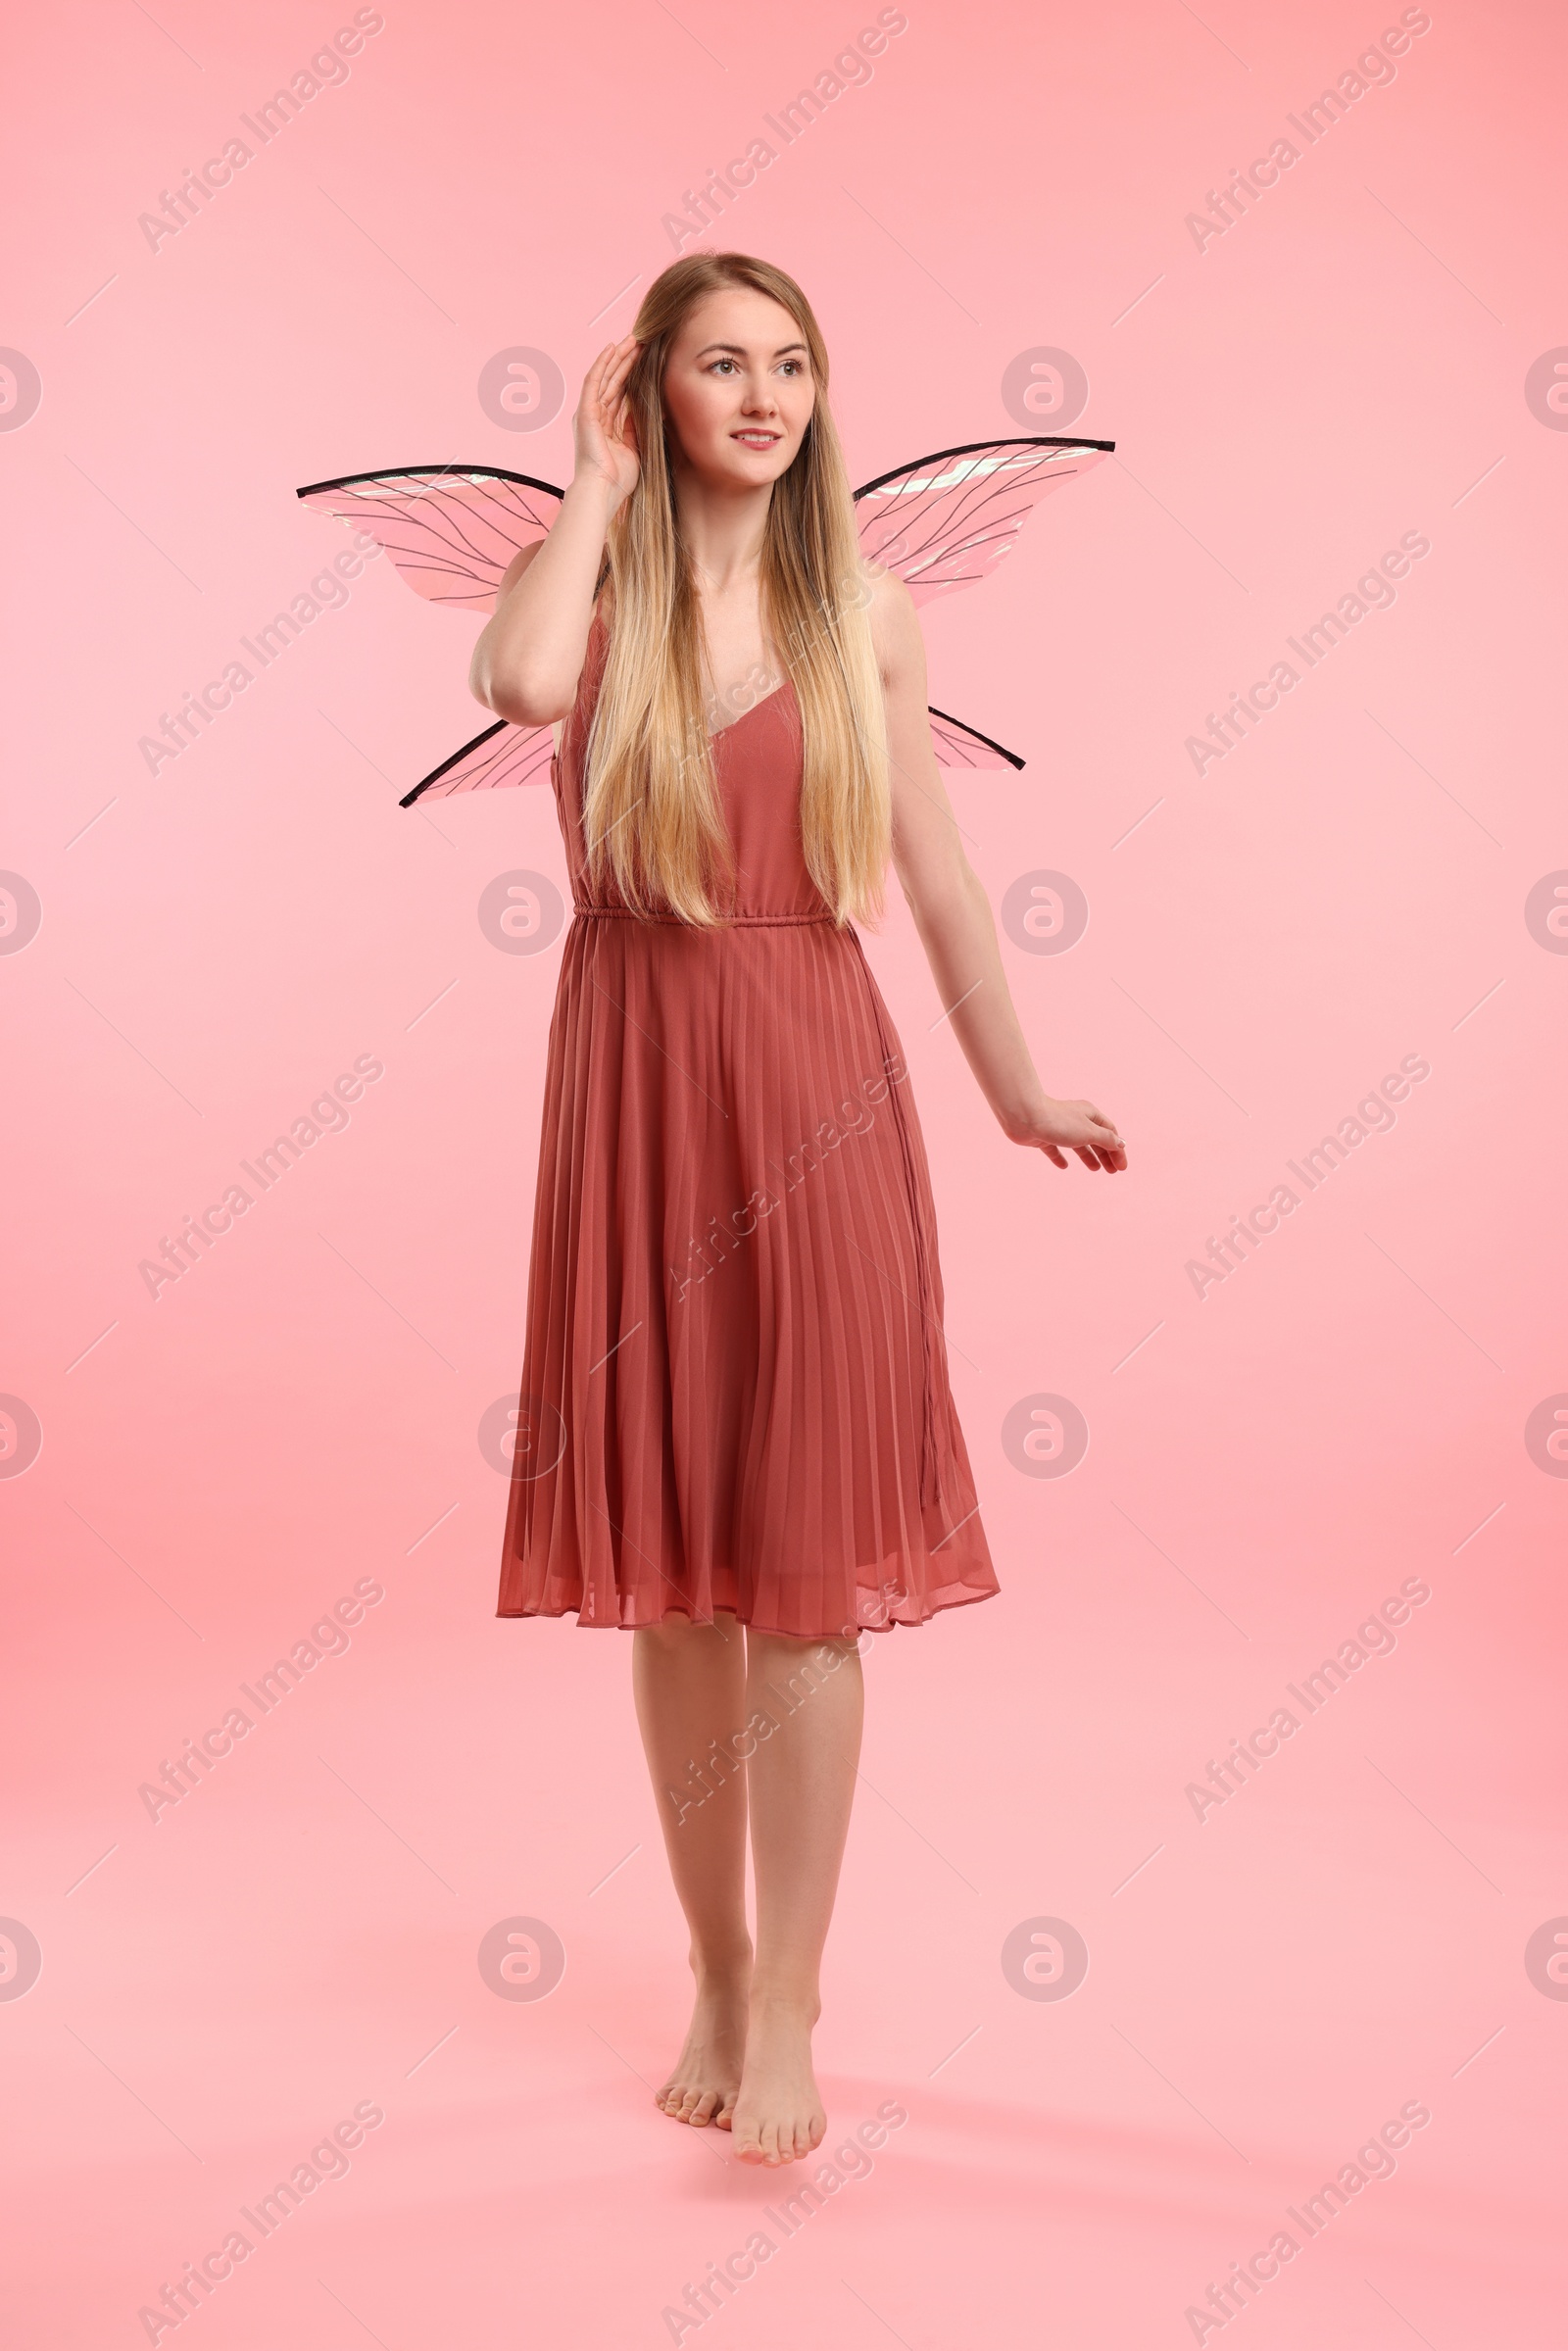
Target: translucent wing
point(958, 746)
point(948, 520)
point(503, 756)
point(451, 530)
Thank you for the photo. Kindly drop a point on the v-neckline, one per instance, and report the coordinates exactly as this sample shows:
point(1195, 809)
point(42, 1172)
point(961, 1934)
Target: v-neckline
point(719, 732)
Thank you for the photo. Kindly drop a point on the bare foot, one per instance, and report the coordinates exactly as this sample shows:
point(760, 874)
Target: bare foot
point(707, 2075)
point(778, 2116)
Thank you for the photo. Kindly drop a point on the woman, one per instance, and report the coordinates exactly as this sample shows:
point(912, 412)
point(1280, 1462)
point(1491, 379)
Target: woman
point(735, 1410)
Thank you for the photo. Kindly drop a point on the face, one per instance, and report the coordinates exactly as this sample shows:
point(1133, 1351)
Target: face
point(738, 390)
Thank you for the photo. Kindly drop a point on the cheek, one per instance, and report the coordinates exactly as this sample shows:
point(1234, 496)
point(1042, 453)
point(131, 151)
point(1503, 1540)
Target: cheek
point(796, 404)
point(702, 407)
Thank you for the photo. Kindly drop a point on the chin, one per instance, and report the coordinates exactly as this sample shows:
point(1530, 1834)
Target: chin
point(755, 465)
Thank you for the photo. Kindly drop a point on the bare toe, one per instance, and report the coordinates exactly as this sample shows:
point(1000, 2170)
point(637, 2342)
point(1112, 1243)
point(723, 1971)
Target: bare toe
point(706, 2073)
point(780, 2115)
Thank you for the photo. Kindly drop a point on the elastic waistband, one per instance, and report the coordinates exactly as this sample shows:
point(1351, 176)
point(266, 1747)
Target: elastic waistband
point(733, 922)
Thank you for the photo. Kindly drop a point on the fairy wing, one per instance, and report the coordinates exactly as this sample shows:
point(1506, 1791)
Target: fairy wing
point(501, 757)
point(948, 520)
point(451, 530)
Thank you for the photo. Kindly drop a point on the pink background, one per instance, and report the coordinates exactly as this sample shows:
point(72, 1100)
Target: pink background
point(300, 1411)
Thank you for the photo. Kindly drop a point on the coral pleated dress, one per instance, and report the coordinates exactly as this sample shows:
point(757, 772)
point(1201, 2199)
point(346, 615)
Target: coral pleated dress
point(734, 1387)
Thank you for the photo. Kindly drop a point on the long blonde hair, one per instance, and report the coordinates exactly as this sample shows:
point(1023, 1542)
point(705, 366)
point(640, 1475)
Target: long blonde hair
point(652, 814)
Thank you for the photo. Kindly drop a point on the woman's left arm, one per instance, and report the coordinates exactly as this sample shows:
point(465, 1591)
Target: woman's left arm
point(952, 914)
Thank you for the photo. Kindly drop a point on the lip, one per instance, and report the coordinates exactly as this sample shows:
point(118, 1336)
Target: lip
point(758, 435)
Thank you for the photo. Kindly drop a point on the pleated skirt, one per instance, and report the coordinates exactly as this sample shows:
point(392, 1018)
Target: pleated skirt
point(735, 1389)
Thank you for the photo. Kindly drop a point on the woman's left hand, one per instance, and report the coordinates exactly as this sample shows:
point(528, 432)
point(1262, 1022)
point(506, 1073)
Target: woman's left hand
point(1079, 1127)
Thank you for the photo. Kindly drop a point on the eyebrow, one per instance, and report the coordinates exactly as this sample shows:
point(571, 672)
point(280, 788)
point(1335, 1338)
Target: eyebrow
point(740, 349)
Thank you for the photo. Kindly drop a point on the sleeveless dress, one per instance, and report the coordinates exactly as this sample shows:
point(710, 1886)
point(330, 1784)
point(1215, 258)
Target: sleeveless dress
point(734, 1387)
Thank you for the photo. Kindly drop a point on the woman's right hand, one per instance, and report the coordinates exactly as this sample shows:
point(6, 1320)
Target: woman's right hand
point(602, 430)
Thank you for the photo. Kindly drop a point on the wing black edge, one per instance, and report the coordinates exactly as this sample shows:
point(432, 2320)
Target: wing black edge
point(531, 481)
point(437, 773)
point(349, 481)
point(948, 720)
point(1056, 440)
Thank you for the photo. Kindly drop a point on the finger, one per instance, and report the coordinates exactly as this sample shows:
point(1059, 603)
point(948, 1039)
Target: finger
point(1052, 1154)
point(625, 356)
point(615, 387)
point(588, 405)
point(621, 429)
point(1088, 1156)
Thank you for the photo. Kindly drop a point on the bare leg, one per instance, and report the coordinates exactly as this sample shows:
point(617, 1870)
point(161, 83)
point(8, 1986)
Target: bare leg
point(689, 1682)
point(801, 1784)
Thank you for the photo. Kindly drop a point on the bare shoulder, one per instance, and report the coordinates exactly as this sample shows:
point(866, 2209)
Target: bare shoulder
point(895, 622)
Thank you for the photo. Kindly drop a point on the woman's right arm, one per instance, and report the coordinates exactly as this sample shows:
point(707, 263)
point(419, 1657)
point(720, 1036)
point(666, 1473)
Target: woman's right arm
point(530, 653)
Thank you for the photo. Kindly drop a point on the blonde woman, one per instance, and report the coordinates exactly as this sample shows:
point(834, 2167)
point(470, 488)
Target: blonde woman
point(737, 1437)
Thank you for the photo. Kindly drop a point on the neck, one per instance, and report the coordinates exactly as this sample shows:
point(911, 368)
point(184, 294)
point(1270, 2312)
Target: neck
point(722, 529)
